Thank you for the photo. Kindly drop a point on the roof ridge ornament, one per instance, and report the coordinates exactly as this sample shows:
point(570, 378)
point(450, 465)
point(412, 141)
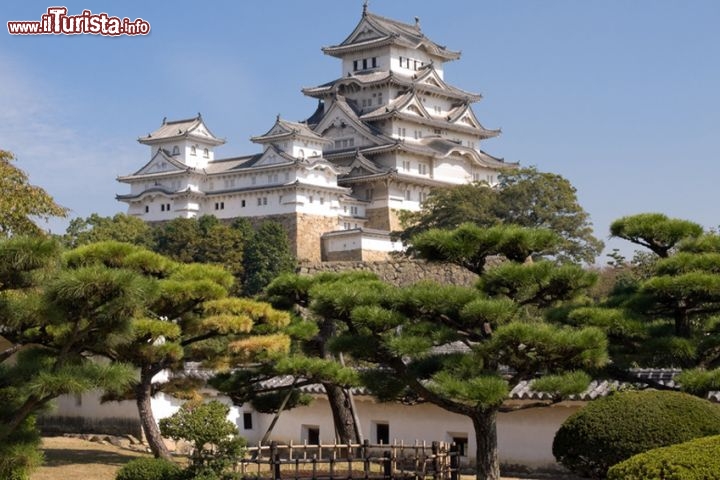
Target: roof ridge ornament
point(417, 23)
point(365, 7)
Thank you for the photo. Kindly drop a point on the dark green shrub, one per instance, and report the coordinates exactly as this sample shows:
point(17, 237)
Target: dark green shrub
point(694, 460)
point(150, 469)
point(612, 429)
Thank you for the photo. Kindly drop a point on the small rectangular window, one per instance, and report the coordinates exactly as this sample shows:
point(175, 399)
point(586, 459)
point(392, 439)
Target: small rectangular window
point(259, 200)
point(242, 203)
point(364, 63)
point(247, 421)
point(147, 209)
point(461, 443)
point(374, 62)
point(311, 434)
point(264, 200)
point(382, 433)
point(355, 65)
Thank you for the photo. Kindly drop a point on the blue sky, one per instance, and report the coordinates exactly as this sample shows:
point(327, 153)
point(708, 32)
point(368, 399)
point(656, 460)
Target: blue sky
point(622, 98)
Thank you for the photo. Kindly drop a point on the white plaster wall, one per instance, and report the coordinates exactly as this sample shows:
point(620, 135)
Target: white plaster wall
point(378, 244)
point(452, 169)
point(524, 437)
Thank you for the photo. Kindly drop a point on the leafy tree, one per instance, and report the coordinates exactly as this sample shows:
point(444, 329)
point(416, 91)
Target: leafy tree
point(655, 231)
point(268, 255)
point(119, 228)
point(191, 318)
point(20, 201)
point(55, 321)
point(666, 313)
point(309, 362)
point(445, 344)
point(215, 440)
point(524, 197)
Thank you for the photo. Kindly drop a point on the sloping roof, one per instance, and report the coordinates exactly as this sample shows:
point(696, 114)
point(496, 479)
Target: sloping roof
point(179, 129)
point(283, 129)
point(417, 82)
point(374, 30)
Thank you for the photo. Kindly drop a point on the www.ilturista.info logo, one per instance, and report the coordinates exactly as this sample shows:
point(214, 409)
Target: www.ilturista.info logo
point(57, 22)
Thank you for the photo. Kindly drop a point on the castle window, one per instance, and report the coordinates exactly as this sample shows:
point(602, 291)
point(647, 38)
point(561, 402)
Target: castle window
point(422, 196)
point(355, 65)
point(176, 150)
point(259, 200)
point(310, 199)
point(422, 168)
point(354, 211)
point(408, 194)
point(369, 193)
point(253, 179)
point(162, 207)
point(364, 63)
point(437, 131)
point(219, 205)
point(193, 150)
point(346, 225)
point(247, 421)
point(322, 200)
point(147, 208)
point(406, 165)
point(206, 153)
point(264, 200)
point(242, 203)
point(374, 62)
point(379, 98)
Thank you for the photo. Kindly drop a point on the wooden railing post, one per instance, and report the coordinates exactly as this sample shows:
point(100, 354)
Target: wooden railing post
point(275, 460)
point(387, 465)
point(454, 461)
point(436, 459)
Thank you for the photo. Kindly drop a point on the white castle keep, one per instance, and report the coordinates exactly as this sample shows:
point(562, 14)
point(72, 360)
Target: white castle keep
point(386, 131)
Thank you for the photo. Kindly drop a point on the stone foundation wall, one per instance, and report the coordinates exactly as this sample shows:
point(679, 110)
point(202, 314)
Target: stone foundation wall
point(57, 425)
point(344, 256)
point(378, 218)
point(398, 272)
point(303, 231)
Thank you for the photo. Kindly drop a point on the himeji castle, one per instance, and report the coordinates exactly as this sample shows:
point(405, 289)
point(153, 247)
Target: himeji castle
point(386, 132)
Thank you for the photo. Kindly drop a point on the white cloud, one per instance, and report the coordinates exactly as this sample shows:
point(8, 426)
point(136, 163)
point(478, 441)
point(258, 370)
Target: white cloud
point(37, 126)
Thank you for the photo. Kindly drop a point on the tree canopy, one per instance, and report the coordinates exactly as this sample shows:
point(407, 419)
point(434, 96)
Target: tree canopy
point(523, 197)
point(21, 202)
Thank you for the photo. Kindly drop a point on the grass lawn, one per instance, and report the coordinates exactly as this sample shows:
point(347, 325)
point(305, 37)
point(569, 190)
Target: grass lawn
point(77, 459)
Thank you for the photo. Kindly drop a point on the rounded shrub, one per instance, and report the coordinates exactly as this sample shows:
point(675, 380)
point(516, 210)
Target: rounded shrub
point(694, 460)
point(614, 428)
point(150, 469)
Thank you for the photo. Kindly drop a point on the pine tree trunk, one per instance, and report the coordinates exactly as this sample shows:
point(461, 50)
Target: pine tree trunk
point(487, 463)
point(342, 414)
point(147, 419)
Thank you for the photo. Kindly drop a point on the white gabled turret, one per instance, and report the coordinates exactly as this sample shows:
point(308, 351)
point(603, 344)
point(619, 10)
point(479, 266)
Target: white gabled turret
point(295, 139)
point(188, 141)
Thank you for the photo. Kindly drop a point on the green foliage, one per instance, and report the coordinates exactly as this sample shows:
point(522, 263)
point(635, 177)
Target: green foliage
point(483, 392)
point(215, 440)
point(20, 202)
point(543, 283)
point(564, 385)
point(268, 255)
point(655, 231)
point(20, 452)
point(470, 245)
point(150, 469)
point(693, 460)
point(699, 381)
point(524, 197)
point(119, 228)
point(617, 427)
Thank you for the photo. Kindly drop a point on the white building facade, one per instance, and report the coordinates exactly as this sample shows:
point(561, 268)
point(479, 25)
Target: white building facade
point(385, 133)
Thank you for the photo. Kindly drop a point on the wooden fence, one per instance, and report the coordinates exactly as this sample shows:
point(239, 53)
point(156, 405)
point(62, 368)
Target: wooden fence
point(438, 460)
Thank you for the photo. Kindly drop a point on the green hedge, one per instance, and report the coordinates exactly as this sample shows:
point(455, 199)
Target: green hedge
point(150, 469)
point(694, 460)
point(612, 429)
